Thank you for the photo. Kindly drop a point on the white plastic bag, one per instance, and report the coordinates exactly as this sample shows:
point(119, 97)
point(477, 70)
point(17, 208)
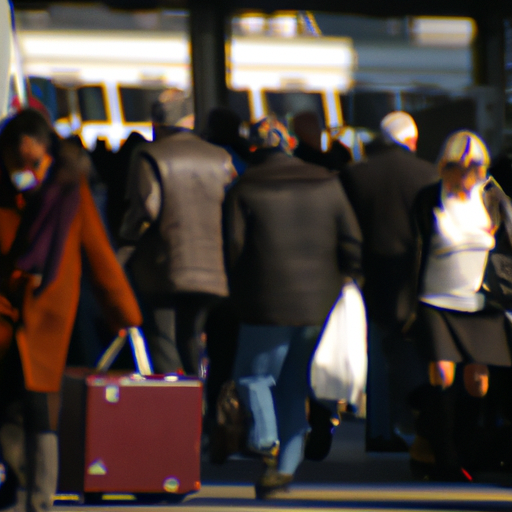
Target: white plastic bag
point(339, 365)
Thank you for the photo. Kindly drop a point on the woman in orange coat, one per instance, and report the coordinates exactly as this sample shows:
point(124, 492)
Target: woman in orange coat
point(48, 221)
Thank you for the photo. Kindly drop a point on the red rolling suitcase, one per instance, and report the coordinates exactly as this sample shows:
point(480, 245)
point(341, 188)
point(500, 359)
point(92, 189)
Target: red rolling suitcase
point(137, 434)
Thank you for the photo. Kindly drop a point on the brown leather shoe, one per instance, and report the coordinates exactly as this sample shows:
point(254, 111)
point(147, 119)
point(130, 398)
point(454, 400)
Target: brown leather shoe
point(272, 484)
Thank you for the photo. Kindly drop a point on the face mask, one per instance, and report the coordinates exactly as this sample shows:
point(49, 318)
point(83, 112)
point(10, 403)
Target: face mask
point(30, 178)
point(24, 180)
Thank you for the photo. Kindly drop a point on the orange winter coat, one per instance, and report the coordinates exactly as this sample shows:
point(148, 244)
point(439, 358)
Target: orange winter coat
point(46, 321)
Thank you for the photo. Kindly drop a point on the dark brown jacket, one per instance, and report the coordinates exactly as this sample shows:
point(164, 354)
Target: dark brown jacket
point(292, 238)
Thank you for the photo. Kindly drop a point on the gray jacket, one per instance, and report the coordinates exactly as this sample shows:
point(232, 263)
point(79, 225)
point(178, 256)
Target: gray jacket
point(175, 192)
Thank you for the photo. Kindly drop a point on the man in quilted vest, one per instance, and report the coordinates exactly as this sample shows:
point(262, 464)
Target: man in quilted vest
point(172, 231)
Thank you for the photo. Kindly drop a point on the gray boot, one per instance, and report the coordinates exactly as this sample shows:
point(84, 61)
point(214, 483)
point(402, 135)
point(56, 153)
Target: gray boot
point(41, 470)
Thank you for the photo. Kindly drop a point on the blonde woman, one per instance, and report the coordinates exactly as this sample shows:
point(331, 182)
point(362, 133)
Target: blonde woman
point(461, 332)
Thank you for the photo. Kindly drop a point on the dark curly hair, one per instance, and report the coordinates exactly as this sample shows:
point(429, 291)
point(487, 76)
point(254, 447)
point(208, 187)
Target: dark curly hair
point(26, 122)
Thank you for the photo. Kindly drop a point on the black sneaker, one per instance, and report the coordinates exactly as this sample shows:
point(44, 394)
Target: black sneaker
point(319, 439)
point(318, 442)
point(8, 486)
point(379, 444)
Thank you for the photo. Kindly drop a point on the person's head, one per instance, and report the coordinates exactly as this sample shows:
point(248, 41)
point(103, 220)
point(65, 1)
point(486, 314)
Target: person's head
point(26, 148)
point(171, 106)
point(463, 163)
point(223, 126)
point(268, 132)
point(399, 128)
point(306, 127)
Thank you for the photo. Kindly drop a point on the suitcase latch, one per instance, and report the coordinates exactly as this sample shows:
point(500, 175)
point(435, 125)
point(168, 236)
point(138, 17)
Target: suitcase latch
point(112, 394)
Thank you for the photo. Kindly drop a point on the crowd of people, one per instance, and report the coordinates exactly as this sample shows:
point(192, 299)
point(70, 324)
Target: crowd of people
point(234, 249)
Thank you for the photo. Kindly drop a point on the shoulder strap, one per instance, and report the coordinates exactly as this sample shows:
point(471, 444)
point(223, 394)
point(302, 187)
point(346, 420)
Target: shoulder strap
point(494, 192)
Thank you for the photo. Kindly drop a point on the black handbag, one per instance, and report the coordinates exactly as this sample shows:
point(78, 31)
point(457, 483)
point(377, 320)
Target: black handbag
point(229, 435)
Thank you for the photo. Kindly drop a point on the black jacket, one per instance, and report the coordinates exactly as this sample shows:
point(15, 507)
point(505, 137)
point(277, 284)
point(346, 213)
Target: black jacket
point(498, 206)
point(382, 190)
point(335, 159)
point(292, 240)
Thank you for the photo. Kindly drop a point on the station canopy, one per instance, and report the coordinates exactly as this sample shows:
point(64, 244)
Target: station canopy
point(473, 8)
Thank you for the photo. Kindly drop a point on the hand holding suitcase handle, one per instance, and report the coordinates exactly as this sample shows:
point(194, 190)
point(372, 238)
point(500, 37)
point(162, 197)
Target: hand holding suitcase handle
point(139, 350)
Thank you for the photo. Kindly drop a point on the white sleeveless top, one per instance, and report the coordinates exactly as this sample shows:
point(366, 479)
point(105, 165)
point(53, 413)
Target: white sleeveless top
point(459, 248)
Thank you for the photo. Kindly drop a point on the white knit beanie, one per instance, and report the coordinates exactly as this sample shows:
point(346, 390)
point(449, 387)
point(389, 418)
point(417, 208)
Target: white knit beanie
point(398, 127)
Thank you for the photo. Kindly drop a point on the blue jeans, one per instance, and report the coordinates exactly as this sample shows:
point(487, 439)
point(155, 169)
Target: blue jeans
point(272, 375)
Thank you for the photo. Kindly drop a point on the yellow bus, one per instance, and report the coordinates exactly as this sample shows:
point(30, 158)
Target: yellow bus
point(104, 84)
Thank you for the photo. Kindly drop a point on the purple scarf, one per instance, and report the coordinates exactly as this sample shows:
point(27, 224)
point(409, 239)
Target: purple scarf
point(43, 230)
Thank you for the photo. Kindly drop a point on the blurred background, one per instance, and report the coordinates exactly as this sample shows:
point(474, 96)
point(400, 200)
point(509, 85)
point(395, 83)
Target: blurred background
point(99, 68)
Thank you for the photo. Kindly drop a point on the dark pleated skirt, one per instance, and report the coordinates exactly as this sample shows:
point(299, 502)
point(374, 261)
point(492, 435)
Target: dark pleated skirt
point(480, 337)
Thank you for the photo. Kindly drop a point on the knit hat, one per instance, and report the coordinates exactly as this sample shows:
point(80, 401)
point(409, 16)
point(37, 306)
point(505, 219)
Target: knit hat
point(268, 132)
point(398, 127)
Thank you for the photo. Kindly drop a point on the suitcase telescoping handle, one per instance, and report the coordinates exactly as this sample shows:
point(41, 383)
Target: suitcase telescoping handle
point(139, 350)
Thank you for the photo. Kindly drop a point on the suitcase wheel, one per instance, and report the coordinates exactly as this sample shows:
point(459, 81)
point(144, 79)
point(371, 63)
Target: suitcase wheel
point(92, 498)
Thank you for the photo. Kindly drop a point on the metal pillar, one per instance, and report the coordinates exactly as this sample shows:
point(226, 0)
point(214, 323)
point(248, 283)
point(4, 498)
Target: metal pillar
point(490, 79)
point(208, 22)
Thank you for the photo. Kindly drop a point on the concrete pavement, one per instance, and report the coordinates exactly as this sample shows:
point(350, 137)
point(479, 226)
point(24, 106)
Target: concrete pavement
point(348, 480)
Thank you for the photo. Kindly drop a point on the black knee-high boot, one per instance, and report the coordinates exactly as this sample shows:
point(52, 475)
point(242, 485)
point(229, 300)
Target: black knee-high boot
point(436, 422)
point(474, 433)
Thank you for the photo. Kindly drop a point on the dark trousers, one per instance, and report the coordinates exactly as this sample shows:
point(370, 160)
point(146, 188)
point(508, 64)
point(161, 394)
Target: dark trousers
point(395, 370)
point(222, 328)
point(174, 327)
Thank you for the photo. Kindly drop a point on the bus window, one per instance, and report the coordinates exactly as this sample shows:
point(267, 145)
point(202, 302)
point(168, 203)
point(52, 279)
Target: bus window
point(367, 108)
point(11, 91)
point(412, 101)
point(415, 101)
point(92, 103)
point(63, 106)
point(239, 102)
point(44, 90)
point(286, 104)
point(136, 102)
